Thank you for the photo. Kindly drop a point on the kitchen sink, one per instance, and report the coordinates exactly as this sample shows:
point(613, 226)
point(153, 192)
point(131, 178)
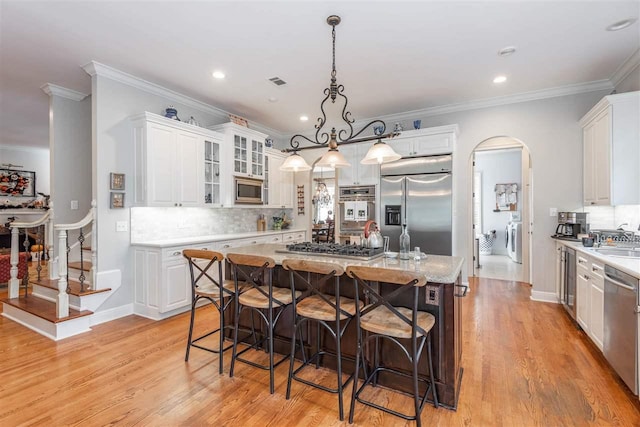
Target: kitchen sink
point(621, 252)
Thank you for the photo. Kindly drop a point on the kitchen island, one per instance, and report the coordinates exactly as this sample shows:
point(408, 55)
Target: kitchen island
point(442, 297)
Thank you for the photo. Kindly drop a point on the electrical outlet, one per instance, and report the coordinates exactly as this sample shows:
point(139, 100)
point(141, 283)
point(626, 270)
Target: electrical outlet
point(74, 205)
point(122, 226)
point(553, 211)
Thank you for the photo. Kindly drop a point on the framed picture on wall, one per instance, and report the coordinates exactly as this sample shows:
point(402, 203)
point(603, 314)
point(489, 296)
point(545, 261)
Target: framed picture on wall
point(15, 183)
point(117, 181)
point(117, 200)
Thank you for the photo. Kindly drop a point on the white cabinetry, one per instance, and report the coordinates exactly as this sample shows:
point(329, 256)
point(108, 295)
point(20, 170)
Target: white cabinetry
point(162, 283)
point(357, 173)
point(425, 142)
point(294, 237)
point(590, 298)
point(170, 163)
point(611, 151)
point(278, 185)
point(245, 149)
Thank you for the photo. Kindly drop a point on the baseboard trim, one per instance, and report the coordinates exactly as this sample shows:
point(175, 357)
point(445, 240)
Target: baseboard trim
point(541, 296)
point(111, 314)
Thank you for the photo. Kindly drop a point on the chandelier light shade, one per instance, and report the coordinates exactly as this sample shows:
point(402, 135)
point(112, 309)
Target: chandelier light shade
point(333, 138)
point(380, 153)
point(295, 163)
point(333, 159)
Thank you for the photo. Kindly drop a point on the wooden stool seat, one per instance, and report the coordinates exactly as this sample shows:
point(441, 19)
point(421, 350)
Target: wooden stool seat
point(254, 298)
point(382, 321)
point(212, 290)
point(314, 307)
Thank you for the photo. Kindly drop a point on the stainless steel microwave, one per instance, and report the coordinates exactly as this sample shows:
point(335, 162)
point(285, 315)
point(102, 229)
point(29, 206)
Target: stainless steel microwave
point(248, 191)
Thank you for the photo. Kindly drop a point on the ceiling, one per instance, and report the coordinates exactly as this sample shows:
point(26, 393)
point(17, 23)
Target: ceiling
point(391, 56)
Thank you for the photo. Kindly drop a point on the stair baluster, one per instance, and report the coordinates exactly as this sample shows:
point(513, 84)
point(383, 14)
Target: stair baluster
point(62, 300)
point(82, 277)
point(27, 247)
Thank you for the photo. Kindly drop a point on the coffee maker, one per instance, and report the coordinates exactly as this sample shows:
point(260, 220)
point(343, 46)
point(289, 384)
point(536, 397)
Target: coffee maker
point(571, 224)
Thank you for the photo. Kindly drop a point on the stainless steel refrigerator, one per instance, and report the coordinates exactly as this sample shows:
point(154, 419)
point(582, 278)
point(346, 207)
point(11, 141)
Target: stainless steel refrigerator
point(417, 192)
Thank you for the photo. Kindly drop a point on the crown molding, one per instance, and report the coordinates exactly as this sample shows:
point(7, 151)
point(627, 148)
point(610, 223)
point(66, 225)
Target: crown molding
point(24, 148)
point(625, 68)
point(51, 90)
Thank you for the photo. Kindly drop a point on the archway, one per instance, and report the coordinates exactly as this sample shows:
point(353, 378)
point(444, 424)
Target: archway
point(501, 215)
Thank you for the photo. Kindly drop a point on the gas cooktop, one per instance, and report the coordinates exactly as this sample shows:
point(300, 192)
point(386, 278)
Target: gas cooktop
point(334, 250)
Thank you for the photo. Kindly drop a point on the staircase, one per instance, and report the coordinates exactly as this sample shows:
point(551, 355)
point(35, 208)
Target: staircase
point(63, 303)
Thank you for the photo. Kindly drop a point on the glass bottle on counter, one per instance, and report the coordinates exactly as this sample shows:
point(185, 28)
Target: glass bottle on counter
point(405, 243)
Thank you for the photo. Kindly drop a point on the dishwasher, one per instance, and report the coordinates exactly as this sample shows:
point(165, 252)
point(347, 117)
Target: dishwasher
point(621, 324)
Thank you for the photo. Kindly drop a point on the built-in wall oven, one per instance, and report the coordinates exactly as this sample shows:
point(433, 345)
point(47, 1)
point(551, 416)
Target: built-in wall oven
point(248, 191)
point(568, 259)
point(357, 206)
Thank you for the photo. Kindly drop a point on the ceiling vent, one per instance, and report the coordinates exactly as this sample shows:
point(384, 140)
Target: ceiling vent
point(277, 81)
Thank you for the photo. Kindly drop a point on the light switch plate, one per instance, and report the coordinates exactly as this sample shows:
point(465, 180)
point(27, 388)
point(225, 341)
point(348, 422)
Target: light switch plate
point(553, 211)
point(122, 226)
point(74, 205)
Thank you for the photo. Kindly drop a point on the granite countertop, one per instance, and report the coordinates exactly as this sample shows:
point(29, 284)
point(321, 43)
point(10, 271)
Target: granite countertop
point(436, 268)
point(181, 241)
point(628, 265)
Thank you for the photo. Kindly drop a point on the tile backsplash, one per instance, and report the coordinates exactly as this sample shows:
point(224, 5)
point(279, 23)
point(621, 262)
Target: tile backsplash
point(610, 217)
point(148, 224)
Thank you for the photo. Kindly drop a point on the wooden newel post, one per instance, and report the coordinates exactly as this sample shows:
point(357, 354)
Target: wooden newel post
point(14, 283)
point(62, 301)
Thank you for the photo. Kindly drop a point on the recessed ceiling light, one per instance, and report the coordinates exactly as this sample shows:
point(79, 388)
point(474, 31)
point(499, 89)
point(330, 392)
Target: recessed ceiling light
point(273, 99)
point(218, 75)
point(304, 118)
point(500, 79)
point(506, 51)
point(620, 25)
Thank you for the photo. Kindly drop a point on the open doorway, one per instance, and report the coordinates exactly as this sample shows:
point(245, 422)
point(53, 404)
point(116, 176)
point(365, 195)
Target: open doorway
point(501, 210)
point(323, 202)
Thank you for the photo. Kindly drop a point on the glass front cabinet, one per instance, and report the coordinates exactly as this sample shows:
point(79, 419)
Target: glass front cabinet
point(246, 152)
point(212, 173)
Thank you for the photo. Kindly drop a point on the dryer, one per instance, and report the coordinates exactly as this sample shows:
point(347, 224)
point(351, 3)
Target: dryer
point(514, 241)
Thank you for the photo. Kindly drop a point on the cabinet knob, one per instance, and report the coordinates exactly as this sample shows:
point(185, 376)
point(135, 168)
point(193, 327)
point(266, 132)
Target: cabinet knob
point(226, 246)
point(254, 242)
point(177, 253)
point(593, 203)
point(175, 204)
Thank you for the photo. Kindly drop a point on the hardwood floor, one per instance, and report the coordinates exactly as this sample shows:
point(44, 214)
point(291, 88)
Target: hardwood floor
point(525, 364)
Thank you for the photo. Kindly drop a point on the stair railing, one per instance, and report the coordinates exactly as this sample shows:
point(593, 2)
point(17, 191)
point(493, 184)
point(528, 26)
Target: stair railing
point(62, 302)
point(42, 232)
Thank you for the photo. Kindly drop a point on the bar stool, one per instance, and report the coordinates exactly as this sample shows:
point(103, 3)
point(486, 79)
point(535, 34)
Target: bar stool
point(260, 295)
point(220, 293)
point(384, 321)
point(313, 305)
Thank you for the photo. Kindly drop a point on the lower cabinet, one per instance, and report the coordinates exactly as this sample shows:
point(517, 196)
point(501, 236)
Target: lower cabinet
point(590, 298)
point(162, 278)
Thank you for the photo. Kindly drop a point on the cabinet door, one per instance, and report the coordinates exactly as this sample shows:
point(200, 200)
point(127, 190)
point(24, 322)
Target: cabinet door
point(588, 171)
point(366, 174)
point(404, 147)
point(212, 186)
point(189, 183)
point(161, 165)
point(596, 301)
point(349, 175)
point(286, 189)
point(602, 158)
point(582, 299)
point(240, 155)
point(432, 144)
point(177, 288)
point(257, 159)
point(272, 181)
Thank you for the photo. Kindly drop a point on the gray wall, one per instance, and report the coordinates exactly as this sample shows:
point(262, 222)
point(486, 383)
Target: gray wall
point(70, 155)
point(498, 167)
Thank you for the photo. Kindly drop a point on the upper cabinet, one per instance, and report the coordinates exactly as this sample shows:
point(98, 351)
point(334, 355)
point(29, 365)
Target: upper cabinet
point(611, 151)
point(176, 164)
point(357, 173)
point(278, 185)
point(425, 142)
point(246, 149)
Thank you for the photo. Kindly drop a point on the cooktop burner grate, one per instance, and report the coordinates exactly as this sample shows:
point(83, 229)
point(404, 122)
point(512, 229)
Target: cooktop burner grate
point(335, 249)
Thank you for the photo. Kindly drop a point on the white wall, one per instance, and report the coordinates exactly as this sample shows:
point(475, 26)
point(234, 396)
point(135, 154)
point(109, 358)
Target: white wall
point(631, 82)
point(70, 149)
point(498, 167)
point(31, 159)
point(550, 130)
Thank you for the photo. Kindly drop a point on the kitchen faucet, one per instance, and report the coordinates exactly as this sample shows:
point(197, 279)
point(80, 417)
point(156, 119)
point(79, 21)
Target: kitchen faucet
point(620, 226)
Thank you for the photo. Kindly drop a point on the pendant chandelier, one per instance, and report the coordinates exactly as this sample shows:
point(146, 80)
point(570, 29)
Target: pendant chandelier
point(322, 197)
point(378, 153)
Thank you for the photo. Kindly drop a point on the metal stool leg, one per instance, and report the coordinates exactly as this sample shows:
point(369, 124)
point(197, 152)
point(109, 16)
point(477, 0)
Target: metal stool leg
point(434, 392)
point(193, 314)
point(339, 368)
point(235, 339)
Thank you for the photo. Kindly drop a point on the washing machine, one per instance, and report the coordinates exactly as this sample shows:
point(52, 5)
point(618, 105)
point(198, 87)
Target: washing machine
point(514, 241)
